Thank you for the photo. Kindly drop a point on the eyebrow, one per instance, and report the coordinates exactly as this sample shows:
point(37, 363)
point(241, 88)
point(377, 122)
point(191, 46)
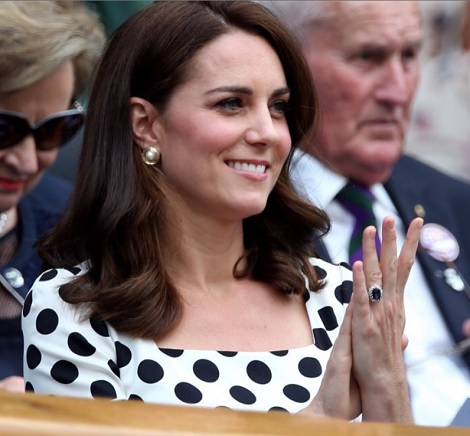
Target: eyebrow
point(416, 45)
point(245, 90)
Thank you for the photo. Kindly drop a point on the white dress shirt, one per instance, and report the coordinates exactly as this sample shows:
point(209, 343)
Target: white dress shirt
point(438, 385)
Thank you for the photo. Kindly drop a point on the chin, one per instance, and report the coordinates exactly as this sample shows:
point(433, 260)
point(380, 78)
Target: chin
point(252, 209)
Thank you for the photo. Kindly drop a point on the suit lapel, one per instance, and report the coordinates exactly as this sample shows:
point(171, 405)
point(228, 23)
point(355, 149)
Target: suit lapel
point(408, 190)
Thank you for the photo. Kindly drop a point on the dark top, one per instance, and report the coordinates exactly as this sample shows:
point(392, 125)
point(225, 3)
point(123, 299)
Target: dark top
point(38, 212)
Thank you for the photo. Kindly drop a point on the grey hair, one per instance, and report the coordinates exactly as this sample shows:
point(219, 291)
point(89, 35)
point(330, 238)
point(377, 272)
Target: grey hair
point(36, 37)
point(297, 15)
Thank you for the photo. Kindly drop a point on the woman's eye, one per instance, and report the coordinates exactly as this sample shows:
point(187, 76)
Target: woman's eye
point(280, 107)
point(231, 103)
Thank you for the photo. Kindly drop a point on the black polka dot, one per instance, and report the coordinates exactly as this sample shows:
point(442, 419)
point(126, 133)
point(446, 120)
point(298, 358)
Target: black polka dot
point(242, 395)
point(99, 326)
point(259, 372)
point(310, 367)
point(228, 353)
point(188, 393)
point(79, 345)
point(296, 393)
point(328, 318)
point(33, 357)
point(74, 270)
point(27, 303)
point(322, 341)
point(277, 409)
point(28, 387)
point(206, 370)
point(114, 368)
point(135, 397)
point(102, 388)
point(306, 295)
point(344, 291)
point(321, 273)
point(47, 321)
point(280, 353)
point(48, 275)
point(346, 265)
point(123, 353)
point(150, 371)
point(64, 372)
point(172, 352)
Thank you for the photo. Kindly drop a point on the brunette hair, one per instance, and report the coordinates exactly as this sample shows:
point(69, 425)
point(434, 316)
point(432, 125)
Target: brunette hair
point(115, 221)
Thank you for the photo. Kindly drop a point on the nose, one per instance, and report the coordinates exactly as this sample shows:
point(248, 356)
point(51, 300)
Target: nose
point(395, 85)
point(263, 128)
point(23, 157)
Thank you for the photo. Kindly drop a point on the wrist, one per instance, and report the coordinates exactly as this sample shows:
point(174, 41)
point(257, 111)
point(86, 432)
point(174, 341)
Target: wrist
point(387, 402)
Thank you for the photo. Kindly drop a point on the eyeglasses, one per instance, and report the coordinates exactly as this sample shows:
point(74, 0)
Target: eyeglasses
point(50, 133)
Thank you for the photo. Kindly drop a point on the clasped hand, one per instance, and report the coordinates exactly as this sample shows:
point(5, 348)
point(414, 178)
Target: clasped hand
point(366, 373)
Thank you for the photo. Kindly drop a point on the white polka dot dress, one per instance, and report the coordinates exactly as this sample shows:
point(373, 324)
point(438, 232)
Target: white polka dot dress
point(68, 356)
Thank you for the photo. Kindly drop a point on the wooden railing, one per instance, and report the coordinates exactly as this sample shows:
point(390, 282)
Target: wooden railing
point(30, 414)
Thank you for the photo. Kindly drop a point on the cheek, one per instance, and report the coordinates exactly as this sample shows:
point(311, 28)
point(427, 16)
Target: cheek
point(413, 86)
point(338, 87)
point(46, 159)
point(285, 144)
point(340, 96)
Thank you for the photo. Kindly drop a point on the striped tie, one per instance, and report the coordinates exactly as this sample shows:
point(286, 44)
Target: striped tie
point(358, 201)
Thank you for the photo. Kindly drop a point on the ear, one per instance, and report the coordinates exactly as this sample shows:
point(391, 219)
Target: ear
point(145, 123)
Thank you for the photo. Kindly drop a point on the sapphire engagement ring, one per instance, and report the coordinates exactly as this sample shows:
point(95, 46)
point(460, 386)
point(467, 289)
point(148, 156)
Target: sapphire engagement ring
point(375, 293)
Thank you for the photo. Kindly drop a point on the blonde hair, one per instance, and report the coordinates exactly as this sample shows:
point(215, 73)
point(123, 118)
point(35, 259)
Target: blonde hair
point(36, 37)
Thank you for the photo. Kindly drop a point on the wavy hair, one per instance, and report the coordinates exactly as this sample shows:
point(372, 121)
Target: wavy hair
point(118, 221)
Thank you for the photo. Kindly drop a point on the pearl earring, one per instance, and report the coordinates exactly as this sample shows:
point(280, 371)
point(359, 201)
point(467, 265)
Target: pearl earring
point(151, 156)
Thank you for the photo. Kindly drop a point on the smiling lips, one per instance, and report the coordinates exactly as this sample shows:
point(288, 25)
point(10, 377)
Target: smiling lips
point(247, 167)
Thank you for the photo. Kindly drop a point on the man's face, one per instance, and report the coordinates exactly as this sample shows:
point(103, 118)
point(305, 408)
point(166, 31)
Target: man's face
point(365, 66)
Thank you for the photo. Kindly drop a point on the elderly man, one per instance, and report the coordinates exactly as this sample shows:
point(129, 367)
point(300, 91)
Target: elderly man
point(364, 58)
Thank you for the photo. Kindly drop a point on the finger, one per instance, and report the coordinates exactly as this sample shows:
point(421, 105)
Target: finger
point(371, 267)
point(360, 297)
point(466, 328)
point(388, 255)
point(404, 342)
point(344, 335)
point(408, 253)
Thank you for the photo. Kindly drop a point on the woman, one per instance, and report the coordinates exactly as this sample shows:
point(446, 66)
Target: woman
point(47, 53)
point(183, 270)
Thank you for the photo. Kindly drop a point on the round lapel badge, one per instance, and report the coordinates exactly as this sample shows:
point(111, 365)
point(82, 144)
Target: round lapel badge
point(439, 242)
point(14, 277)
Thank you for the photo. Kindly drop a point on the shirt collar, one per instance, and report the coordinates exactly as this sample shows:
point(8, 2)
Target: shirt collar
point(314, 180)
point(319, 184)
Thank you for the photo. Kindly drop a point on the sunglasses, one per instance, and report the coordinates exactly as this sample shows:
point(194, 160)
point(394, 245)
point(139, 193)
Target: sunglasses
point(50, 133)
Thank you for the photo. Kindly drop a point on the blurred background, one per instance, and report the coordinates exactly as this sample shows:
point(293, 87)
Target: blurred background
point(439, 132)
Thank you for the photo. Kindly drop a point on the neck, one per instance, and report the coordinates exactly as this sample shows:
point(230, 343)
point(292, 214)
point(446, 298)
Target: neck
point(206, 255)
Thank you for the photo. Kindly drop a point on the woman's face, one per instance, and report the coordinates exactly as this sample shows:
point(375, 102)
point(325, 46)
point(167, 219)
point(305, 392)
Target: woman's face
point(22, 166)
point(224, 135)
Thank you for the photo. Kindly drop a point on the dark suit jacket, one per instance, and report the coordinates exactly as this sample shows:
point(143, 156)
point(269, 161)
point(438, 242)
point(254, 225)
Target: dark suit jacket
point(446, 201)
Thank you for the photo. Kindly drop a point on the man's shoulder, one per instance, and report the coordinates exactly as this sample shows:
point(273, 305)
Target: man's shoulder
point(414, 169)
